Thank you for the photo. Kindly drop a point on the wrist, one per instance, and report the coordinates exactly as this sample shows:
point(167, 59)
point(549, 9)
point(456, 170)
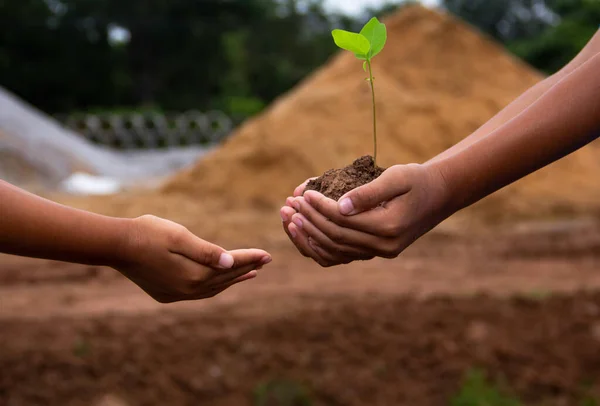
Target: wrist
point(443, 199)
point(122, 248)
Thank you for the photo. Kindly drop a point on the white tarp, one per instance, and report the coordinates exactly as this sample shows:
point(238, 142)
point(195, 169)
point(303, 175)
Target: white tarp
point(55, 153)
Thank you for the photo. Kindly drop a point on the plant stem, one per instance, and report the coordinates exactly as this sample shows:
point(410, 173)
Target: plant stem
point(374, 114)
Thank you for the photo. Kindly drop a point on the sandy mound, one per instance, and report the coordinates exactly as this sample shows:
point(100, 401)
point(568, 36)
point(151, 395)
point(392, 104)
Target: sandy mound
point(436, 82)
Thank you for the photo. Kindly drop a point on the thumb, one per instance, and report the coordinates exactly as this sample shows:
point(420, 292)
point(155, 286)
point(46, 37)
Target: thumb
point(215, 257)
point(204, 252)
point(390, 184)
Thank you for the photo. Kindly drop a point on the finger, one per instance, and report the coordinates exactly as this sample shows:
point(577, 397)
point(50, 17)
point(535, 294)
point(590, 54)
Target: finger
point(368, 244)
point(220, 288)
point(390, 184)
point(319, 250)
point(250, 275)
point(222, 278)
point(215, 290)
point(201, 251)
point(286, 213)
point(322, 257)
point(324, 242)
point(244, 257)
point(331, 257)
point(377, 222)
point(301, 242)
point(286, 217)
point(298, 239)
point(300, 189)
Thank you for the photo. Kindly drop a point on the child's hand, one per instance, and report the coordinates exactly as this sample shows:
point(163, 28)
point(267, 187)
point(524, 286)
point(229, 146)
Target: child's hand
point(379, 219)
point(172, 264)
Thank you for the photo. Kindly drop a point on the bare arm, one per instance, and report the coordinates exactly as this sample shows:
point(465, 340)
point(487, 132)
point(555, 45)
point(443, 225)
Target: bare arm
point(525, 100)
point(562, 120)
point(35, 227)
point(161, 257)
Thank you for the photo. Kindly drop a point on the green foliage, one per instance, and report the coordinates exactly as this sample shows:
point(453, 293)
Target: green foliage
point(559, 43)
point(477, 391)
point(547, 34)
point(281, 393)
point(365, 46)
point(376, 33)
point(81, 348)
point(350, 41)
point(589, 401)
point(236, 55)
point(243, 107)
point(538, 294)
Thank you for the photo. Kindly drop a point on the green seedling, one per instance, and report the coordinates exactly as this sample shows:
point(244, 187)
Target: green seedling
point(365, 45)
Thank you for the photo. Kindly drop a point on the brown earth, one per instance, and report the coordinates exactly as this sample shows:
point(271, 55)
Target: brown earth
point(385, 351)
point(337, 182)
point(522, 304)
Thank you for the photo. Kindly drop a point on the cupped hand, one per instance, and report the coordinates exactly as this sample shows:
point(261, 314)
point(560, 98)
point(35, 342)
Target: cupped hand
point(171, 264)
point(379, 219)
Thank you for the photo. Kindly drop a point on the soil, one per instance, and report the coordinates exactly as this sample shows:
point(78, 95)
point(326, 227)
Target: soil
point(521, 304)
point(335, 183)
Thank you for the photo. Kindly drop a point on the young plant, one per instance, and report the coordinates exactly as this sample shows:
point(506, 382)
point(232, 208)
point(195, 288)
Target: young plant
point(365, 45)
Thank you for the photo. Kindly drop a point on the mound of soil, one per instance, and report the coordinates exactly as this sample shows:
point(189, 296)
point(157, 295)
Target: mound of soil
point(438, 80)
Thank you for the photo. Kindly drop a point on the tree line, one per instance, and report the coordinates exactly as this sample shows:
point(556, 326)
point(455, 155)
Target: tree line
point(65, 56)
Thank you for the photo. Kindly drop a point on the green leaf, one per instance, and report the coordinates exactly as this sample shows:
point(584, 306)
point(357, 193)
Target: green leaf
point(376, 33)
point(352, 42)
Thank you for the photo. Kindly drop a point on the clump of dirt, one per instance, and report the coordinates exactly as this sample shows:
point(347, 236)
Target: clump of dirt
point(335, 183)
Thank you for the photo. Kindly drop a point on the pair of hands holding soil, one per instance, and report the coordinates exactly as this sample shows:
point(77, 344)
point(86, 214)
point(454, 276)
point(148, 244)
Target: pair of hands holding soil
point(378, 219)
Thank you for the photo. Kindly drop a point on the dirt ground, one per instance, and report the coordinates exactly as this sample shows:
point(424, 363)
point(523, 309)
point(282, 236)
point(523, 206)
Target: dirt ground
point(522, 304)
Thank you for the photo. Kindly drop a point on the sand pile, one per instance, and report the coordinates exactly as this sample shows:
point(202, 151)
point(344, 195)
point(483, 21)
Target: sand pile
point(436, 81)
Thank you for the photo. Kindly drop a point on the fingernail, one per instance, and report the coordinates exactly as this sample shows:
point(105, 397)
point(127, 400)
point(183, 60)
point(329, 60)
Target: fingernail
point(346, 206)
point(283, 215)
point(226, 260)
point(297, 221)
point(266, 260)
point(292, 231)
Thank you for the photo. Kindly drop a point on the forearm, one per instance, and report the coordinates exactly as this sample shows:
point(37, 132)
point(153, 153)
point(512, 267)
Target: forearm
point(525, 100)
point(564, 119)
point(35, 227)
point(505, 115)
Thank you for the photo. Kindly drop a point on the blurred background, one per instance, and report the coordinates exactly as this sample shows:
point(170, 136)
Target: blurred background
point(209, 112)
